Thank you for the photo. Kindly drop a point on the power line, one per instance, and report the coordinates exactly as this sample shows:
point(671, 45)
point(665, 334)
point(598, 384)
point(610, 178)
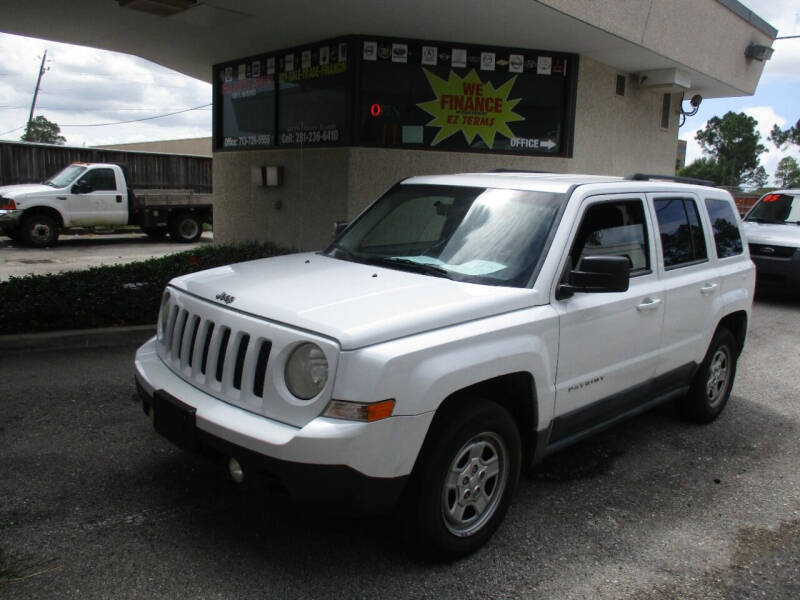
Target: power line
point(177, 112)
point(95, 109)
point(13, 130)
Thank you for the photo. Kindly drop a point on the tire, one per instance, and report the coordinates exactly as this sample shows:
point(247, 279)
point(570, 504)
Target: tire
point(712, 384)
point(464, 481)
point(156, 233)
point(39, 230)
point(185, 228)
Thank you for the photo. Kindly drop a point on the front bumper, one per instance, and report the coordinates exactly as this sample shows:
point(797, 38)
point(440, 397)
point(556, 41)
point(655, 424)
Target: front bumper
point(10, 218)
point(778, 271)
point(366, 464)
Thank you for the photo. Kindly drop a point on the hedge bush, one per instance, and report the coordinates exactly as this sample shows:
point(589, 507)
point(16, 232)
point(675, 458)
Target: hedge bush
point(110, 295)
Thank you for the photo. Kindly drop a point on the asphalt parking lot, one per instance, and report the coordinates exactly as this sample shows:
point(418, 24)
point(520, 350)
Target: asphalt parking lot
point(93, 504)
point(76, 252)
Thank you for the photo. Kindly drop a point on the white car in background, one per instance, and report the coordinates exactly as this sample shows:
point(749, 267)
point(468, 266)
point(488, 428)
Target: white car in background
point(772, 228)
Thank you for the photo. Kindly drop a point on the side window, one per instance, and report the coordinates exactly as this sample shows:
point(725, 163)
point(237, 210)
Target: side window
point(726, 230)
point(615, 228)
point(101, 180)
point(682, 238)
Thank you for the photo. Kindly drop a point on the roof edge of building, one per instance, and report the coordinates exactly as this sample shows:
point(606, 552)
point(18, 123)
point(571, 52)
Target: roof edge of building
point(752, 18)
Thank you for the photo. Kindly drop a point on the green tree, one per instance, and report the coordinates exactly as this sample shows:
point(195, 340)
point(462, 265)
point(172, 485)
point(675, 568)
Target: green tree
point(787, 175)
point(733, 142)
point(782, 138)
point(40, 129)
point(703, 168)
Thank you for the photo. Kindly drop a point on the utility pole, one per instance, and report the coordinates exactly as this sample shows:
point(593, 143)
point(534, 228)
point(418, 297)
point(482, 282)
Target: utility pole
point(36, 93)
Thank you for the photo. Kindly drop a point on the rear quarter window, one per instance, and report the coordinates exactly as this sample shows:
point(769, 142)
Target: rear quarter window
point(727, 238)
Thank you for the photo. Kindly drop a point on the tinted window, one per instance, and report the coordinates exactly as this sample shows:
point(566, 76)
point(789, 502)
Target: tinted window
point(443, 96)
point(682, 238)
point(614, 229)
point(726, 230)
point(100, 180)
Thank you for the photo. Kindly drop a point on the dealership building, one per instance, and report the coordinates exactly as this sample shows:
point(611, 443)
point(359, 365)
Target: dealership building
point(319, 107)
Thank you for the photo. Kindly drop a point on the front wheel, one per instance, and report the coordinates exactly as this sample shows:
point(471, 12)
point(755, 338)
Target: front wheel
point(711, 386)
point(39, 230)
point(185, 228)
point(464, 483)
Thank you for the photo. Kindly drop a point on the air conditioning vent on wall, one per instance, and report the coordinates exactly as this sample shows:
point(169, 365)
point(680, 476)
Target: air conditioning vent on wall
point(665, 80)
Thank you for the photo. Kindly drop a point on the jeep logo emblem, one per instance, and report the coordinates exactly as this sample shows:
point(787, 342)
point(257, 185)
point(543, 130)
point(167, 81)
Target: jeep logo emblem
point(226, 298)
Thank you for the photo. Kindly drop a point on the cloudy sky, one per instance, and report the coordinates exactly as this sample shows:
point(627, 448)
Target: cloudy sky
point(86, 88)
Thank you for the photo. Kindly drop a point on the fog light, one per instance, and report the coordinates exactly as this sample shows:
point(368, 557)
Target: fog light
point(236, 471)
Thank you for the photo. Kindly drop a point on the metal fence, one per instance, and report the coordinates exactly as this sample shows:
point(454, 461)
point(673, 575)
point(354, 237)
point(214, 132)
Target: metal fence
point(24, 162)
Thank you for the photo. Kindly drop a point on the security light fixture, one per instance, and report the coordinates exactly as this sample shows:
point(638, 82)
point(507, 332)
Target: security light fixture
point(161, 8)
point(758, 52)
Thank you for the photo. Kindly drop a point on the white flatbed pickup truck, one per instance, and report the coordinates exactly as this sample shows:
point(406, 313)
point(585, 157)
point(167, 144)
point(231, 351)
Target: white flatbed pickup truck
point(98, 195)
point(461, 329)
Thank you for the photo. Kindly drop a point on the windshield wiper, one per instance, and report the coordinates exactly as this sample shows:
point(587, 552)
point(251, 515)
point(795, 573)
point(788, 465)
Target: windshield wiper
point(411, 265)
point(762, 220)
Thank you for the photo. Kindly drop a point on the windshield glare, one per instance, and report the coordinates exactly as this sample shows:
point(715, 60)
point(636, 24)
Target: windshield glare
point(65, 177)
point(776, 208)
point(481, 235)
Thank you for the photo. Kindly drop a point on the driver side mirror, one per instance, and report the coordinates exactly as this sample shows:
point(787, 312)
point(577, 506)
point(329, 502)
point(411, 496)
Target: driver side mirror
point(81, 187)
point(597, 274)
point(339, 227)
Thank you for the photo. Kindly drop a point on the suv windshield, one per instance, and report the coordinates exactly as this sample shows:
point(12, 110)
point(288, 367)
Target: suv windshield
point(776, 208)
point(65, 177)
point(481, 235)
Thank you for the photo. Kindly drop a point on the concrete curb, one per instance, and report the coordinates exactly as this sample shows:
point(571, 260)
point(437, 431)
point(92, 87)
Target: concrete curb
point(77, 339)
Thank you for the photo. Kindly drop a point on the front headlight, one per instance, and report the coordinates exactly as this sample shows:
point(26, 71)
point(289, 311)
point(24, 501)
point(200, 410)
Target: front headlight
point(306, 371)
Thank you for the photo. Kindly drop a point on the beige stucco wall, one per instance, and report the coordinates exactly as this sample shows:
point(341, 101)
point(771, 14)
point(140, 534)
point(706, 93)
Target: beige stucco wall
point(613, 135)
point(705, 36)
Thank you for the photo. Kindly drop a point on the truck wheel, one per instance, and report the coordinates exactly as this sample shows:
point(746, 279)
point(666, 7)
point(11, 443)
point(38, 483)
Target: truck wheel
point(711, 386)
point(185, 228)
point(39, 230)
point(156, 233)
point(463, 485)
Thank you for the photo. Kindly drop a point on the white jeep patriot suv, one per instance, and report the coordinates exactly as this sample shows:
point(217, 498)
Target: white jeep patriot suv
point(462, 328)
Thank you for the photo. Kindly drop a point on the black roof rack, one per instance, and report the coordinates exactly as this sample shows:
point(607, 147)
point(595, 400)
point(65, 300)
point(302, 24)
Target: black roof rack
point(675, 178)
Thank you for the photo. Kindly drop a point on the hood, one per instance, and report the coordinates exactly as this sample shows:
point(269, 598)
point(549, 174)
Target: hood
point(355, 304)
point(773, 234)
point(12, 192)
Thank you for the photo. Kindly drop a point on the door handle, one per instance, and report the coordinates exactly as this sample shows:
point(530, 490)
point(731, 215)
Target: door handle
point(709, 288)
point(119, 198)
point(61, 197)
point(648, 304)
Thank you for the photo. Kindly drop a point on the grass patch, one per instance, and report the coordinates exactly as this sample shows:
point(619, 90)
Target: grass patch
point(109, 296)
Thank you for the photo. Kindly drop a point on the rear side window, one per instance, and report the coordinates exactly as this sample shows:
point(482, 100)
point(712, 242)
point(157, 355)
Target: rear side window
point(726, 230)
point(682, 239)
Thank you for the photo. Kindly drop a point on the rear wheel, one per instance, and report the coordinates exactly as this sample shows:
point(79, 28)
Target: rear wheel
point(465, 480)
point(39, 230)
point(711, 386)
point(185, 228)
